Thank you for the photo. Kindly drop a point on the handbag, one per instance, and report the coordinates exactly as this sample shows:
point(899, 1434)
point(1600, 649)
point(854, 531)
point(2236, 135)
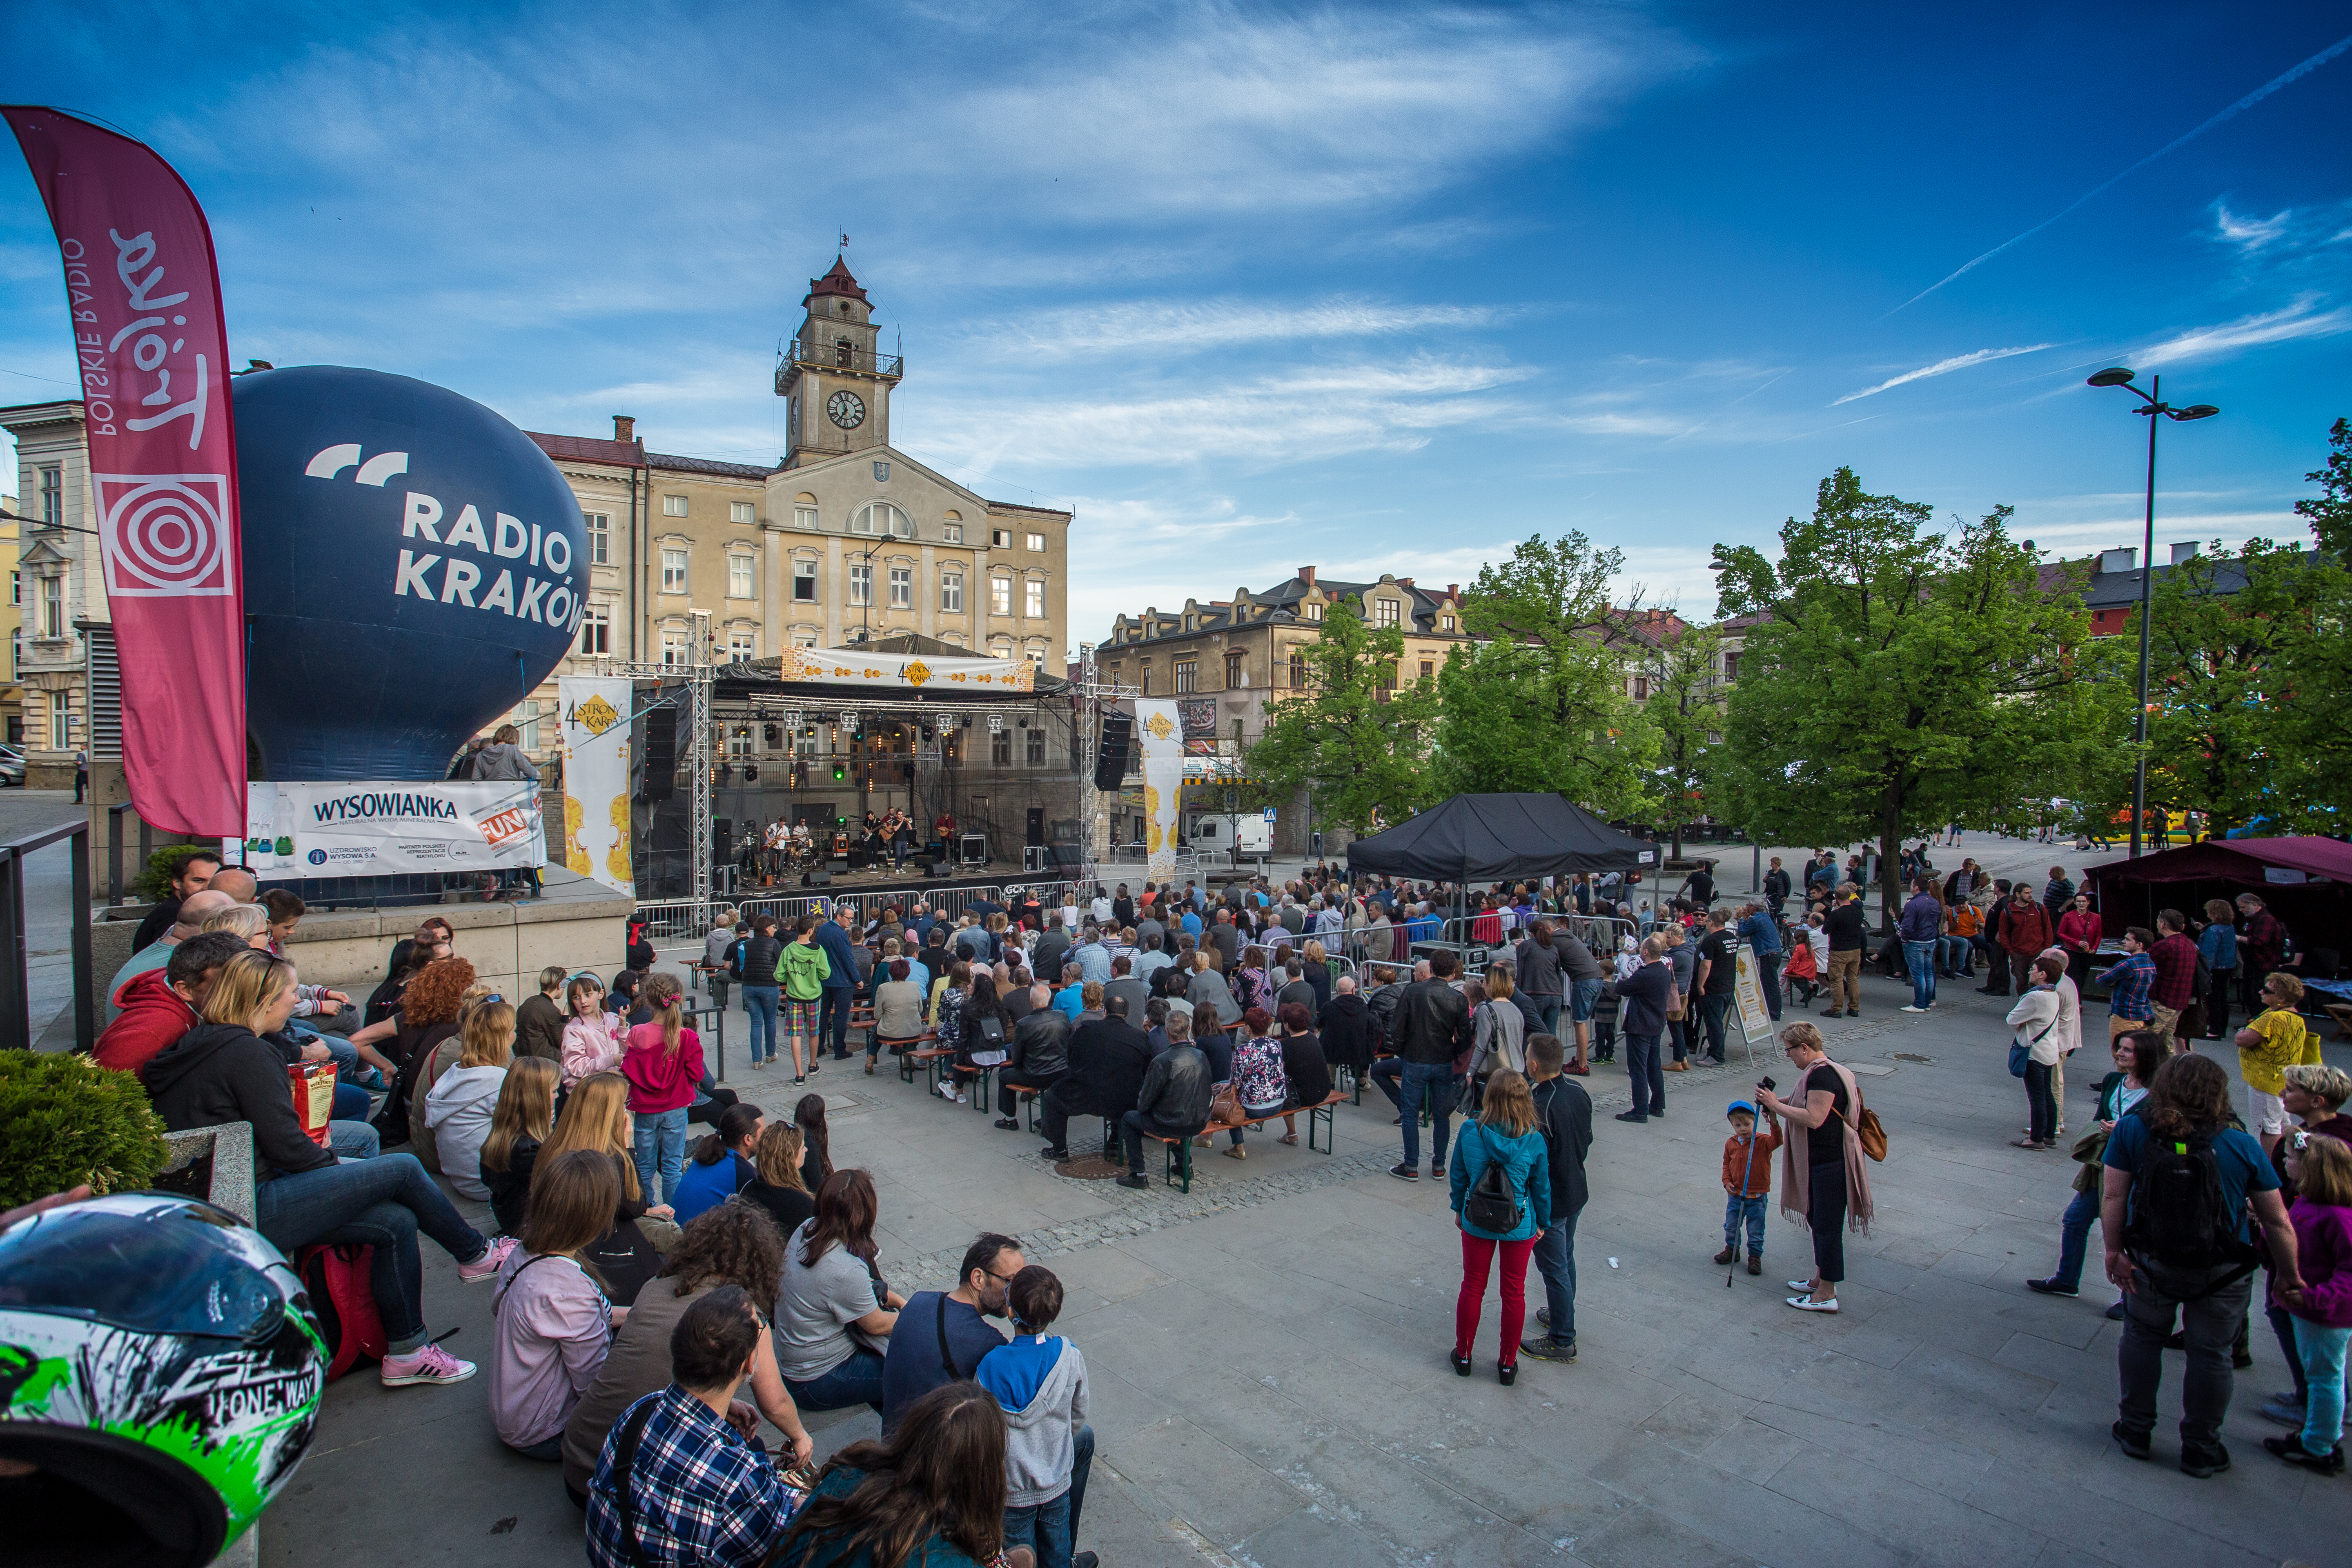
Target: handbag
point(1226, 1106)
point(2020, 1052)
point(1675, 1005)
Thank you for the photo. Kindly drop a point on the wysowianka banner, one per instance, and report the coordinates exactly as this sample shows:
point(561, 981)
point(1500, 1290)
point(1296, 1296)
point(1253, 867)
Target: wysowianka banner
point(596, 778)
point(1163, 783)
point(144, 296)
point(343, 829)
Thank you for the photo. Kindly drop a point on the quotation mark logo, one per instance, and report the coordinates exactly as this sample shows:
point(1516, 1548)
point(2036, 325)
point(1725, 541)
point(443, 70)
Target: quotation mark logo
point(331, 461)
point(164, 536)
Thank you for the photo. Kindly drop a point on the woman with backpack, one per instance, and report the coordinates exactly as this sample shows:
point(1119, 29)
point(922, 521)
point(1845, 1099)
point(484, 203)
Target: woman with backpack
point(1501, 1192)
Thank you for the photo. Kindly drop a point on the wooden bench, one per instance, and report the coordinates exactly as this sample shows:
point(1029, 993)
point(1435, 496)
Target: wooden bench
point(1179, 1150)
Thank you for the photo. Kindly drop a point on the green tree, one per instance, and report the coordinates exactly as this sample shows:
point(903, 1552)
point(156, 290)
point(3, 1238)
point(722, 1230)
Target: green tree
point(1356, 739)
point(1899, 679)
point(1686, 710)
point(2329, 513)
point(1542, 704)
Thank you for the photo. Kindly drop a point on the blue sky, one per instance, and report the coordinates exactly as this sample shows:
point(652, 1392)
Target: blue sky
point(1374, 289)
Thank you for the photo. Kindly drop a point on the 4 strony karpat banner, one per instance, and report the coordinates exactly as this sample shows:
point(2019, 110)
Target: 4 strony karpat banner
point(596, 777)
point(342, 829)
point(1163, 783)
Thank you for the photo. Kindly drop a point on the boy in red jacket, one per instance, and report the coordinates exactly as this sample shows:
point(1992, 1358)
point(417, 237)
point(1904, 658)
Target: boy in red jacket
point(1746, 1181)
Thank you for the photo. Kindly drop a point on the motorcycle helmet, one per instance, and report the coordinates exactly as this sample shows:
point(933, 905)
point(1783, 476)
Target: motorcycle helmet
point(160, 1379)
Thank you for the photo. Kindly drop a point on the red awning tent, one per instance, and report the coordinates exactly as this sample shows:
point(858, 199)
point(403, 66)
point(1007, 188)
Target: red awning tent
point(2308, 882)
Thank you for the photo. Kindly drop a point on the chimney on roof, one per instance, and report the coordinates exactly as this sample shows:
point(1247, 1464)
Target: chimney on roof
point(1307, 575)
point(1404, 582)
point(2185, 551)
point(624, 427)
point(2122, 560)
point(1454, 590)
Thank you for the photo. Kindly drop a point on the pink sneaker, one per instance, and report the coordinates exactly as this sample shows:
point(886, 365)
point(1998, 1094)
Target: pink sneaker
point(428, 1364)
point(487, 1267)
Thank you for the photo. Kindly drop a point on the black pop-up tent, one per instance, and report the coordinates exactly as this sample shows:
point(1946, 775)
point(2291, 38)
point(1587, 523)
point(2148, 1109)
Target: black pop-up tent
point(1499, 838)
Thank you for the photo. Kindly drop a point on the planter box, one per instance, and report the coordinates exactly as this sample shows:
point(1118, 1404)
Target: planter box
point(221, 1161)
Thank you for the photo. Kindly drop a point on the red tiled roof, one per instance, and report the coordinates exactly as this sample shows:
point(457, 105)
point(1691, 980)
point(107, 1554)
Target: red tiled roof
point(590, 449)
point(837, 281)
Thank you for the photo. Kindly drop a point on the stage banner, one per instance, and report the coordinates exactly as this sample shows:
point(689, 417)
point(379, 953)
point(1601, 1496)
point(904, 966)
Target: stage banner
point(1163, 783)
point(596, 778)
point(389, 828)
point(145, 296)
point(907, 671)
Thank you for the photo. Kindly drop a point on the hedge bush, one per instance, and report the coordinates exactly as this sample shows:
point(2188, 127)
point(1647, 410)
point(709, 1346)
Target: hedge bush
point(64, 1120)
point(154, 883)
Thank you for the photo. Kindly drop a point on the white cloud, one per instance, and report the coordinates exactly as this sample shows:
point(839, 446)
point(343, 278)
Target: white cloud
point(1173, 326)
point(1941, 367)
point(2249, 234)
point(2303, 319)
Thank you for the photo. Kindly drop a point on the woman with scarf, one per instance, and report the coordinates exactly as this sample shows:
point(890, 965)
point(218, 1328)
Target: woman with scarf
point(1823, 1182)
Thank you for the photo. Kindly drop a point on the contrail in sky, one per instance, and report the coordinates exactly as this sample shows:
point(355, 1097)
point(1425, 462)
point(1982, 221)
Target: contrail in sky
point(2260, 93)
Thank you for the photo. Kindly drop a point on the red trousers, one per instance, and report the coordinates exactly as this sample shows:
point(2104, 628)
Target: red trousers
point(1476, 1251)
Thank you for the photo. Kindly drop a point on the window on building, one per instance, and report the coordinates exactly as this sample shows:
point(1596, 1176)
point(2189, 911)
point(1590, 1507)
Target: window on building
point(53, 496)
point(1314, 612)
point(1037, 543)
point(60, 720)
point(596, 630)
point(741, 644)
point(600, 537)
point(952, 532)
point(739, 576)
point(804, 517)
point(804, 582)
point(951, 593)
point(1000, 647)
point(1000, 539)
point(16, 661)
point(884, 519)
point(1143, 678)
point(1445, 622)
point(1388, 680)
point(525, 717)
point(673, 506)
point(673, 579)
point(1385, 610)
point(673, 648)
point(52, 606)
point(1298, 669)
point(1731, 666)
point(1428, 669)
point(1236, 670)
point(804, 638)
point(1187, 674)
point(861, 583)
point(1000, 748)
point(1035, 652)
point(1037, 746)
point(1000, 595)
point(1036, 600)
point(902, 587)
point(741, 512)
point(1641, 688)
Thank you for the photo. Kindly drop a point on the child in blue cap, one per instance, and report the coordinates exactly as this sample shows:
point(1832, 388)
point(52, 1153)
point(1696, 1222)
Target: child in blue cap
point(1746, 1181)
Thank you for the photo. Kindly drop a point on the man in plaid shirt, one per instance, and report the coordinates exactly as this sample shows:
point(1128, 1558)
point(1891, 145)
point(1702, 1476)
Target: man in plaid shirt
point(2175, 957)
point(677, 1484)
point(2128, 984)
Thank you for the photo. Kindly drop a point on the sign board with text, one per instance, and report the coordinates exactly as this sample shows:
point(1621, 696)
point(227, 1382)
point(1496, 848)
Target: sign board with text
point(378, 829)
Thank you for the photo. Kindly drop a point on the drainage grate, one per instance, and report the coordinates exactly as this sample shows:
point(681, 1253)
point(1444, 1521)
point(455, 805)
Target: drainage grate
point(1091, 1168)
point(1910, 1056)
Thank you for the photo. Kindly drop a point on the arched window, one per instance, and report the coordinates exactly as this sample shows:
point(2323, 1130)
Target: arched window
point(880, 517)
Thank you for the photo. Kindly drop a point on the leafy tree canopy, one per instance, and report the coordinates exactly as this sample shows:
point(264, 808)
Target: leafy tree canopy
point(1355, 739)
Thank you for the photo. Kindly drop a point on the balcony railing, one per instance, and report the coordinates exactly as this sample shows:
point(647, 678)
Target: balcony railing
point(838, 356)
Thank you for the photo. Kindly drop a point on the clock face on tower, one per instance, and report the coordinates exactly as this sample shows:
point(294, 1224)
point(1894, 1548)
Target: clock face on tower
point(845, 409)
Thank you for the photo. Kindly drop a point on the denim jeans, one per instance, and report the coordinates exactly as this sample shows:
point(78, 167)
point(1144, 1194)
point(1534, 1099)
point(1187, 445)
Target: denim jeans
point(1030, 1527)
point(759, 1003)
point(2282, 1325)
point(352, 1140)
point(1678, 1031)
point(1556, 1261)
point(1920, 958)
point(1956, 955)
point(660, 1146)
point(1385, 1074)
point(2074, 1239)
point(1712, 1013)
point(352, 1104)
point(1580, 1000)
point(1767, 976)
point(2321, 1350)
point(1736, 1209)
point(2208, 1325)
point(1436, 1080)
point(2041, 1105)
point(857, 1381)
point(1548, 1009)
point(1643, 1067)
point(381, 1203)
point(834, 1020)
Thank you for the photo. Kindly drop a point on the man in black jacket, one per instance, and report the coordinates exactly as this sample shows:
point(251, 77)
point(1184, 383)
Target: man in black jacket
point(1643, 996)
point(1430, 1028)
point(1108, 1056)
point(1173, 1101)
point(1038, 1058)
point(1349, 1031)
point(1564, 1116)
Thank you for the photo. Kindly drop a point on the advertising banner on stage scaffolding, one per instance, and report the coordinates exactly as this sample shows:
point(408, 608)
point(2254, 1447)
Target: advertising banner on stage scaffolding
point(1163, 783)
point(389, 828)
point(152, 355)
point(596, 778)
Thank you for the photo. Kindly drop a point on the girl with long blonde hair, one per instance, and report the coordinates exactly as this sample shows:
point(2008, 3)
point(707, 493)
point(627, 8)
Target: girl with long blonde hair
point(459, 1106)
point(523, 1120)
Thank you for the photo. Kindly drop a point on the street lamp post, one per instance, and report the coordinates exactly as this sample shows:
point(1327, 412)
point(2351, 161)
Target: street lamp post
point(2152, 406)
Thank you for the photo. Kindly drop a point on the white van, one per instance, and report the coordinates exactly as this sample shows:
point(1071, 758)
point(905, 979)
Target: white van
point(1252, 834)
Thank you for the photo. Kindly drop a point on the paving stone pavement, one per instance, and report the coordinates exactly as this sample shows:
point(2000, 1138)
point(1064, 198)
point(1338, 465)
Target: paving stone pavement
point(1267, 1358)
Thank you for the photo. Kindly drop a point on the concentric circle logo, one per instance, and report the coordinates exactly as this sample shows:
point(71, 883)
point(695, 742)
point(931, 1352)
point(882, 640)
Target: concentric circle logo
point(165, 535)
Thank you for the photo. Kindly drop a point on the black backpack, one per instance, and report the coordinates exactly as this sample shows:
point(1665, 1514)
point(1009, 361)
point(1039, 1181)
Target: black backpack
point(1492, 1205)
point(2178, 1218)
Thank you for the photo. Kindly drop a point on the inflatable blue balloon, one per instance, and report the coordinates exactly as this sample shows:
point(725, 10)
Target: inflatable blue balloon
point(413, 567)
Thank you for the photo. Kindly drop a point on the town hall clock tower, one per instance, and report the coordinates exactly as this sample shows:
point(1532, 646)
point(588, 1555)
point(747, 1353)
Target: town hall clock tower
point(834, 383)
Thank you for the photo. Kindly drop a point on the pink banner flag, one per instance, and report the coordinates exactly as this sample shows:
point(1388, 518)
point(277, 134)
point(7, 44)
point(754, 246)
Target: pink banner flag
point(145, 296)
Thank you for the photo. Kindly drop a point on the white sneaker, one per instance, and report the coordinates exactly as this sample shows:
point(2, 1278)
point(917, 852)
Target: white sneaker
point(428, 1364)
point(1806, 1304)
point(946, 1092)
point(1915, 1009)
